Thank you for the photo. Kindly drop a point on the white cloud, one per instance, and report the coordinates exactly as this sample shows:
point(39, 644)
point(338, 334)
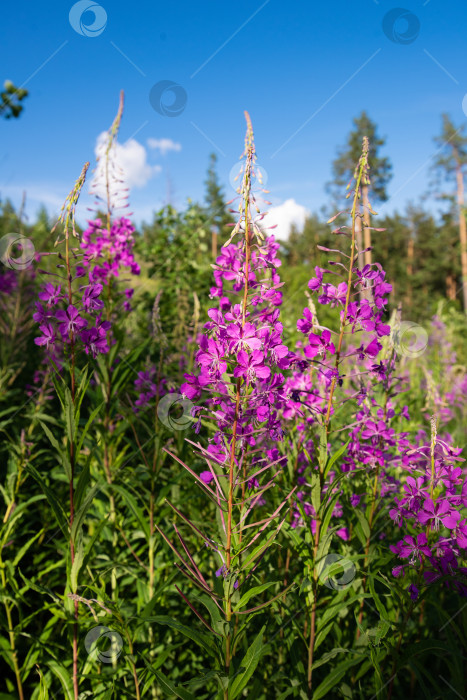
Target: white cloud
point(164, 145)
point(284, 215)
point(131, 161)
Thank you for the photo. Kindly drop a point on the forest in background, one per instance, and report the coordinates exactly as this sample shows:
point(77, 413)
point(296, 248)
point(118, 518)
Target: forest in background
point(422, 253)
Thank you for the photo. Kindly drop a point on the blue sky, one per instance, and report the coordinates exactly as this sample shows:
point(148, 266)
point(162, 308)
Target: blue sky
point(302, 69)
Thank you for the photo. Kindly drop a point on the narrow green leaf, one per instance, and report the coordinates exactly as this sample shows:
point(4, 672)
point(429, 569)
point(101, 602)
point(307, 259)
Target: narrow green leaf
point(248, 665)
point(64, 678)
point(43, 690)
point(137, 512)
point(85, 430)
point(82, 511)
point(38, 588)
point(61, 449)
point(377, 600)
point(315, 492)
point(330, 655)
point(83, 483)
point(202, 639)
point(25, 548)
point(256, 590)
point(167, 686)
point(333, 678)
point(70, 415)
point(363, 522)
point(76, 566)
point(92, 541)
point(333, 458)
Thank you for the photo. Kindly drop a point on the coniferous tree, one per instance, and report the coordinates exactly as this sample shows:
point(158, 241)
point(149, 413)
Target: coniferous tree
point(380, 173)
point(216, 208)
point(450, 164)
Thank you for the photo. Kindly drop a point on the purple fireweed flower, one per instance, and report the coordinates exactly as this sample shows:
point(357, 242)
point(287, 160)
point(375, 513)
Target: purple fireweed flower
point(305, 324)
point(206, 477)
point(71, 321)
point(371, 350)
point(251, 366)
point(243, 338)
point(315, 283)
point(337, 294)
point(51, 294)
point(41, 315)
point(413, 548)
point(91, 301)
point(48, 337)
point(376, 431)
point(439, 513)
point(95, 341)
point(319, 345)
point(211, 357)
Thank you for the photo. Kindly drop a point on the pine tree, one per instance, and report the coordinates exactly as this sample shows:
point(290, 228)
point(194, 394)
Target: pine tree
point(380, 173)
point(450, 165)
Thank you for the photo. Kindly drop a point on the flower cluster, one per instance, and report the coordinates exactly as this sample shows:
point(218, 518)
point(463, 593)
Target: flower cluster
point(64, 323)
point(431, 505)
point(148, 387)
point(108, 250)
point(242, 347)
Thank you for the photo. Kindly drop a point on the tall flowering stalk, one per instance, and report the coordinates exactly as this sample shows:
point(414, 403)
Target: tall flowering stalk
point(69, 319)
point(107, 244)
point(312, 392)
point(239, 358)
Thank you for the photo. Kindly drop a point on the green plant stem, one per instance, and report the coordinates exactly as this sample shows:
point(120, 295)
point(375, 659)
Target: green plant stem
point(72, 466)
point(311, 642)
point(228, 548)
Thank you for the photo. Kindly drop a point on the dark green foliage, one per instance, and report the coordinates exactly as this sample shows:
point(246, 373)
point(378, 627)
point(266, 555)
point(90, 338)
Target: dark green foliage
point(10, 100)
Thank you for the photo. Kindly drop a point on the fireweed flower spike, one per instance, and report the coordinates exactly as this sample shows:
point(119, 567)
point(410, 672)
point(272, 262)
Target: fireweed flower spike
point(68, 320)
point(67, 315)
point(432, 507)
point(241, 387)
point(312, 389)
